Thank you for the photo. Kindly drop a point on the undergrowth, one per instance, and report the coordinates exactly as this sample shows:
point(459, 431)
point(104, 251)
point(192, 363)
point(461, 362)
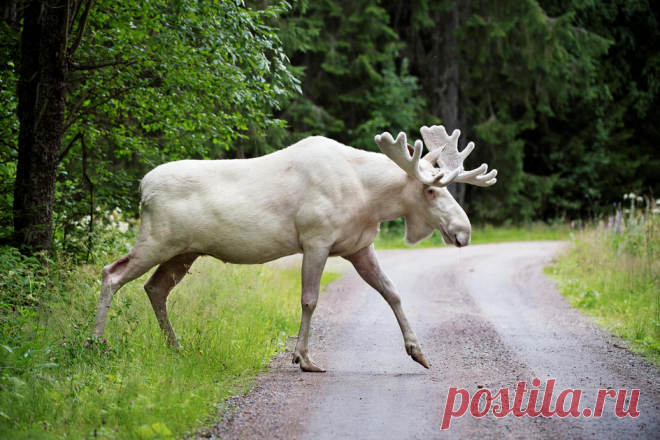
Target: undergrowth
point(54, 383)
point(612, 272)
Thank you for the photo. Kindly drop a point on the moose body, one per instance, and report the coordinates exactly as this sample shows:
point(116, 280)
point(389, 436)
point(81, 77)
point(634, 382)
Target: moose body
point(317, 197)
point(258, 210)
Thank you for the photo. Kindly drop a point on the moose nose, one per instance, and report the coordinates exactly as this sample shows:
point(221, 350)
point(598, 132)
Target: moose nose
point(462, 239)
point(461, 235)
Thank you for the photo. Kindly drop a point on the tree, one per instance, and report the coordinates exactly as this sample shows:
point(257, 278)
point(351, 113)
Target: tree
point(354, 82)
point(119, 80)
point(602, 148)
point(41, 108)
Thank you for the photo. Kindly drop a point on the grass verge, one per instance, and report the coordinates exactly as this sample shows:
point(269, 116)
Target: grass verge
point(617, 284)
point(231, 320)
point(392, 237)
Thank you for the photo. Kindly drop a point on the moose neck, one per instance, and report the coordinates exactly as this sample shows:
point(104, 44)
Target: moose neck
point(388, 188)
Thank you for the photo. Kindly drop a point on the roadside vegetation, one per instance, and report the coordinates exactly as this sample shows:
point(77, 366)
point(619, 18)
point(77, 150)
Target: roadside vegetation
point(612, 272)
point(54, 383)
point(392, 233)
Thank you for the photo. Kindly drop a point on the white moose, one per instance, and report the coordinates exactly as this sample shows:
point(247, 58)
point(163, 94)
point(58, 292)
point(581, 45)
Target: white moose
point(317, 197)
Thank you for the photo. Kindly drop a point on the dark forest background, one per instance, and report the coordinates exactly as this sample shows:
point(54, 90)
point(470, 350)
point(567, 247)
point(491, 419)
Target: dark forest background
point(561, 96)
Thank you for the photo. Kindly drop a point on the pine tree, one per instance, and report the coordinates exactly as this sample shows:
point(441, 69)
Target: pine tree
point(354, 82)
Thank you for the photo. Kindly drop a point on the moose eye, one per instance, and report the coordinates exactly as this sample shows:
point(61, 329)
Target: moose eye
point(430, 191)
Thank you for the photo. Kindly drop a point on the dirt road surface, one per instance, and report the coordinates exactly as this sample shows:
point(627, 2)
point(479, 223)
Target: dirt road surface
point(485, 316)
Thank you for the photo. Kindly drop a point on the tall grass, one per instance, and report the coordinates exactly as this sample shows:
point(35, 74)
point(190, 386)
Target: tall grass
point(391, 235)
point(55, 384)
point(612, 271)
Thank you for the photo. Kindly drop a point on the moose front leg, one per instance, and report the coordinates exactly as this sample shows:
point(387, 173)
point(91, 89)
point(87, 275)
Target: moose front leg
point(312, 269)
point(366, 264)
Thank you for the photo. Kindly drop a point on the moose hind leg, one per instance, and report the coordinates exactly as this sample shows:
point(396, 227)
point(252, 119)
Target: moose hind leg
point(113, 277)
point(159, 286)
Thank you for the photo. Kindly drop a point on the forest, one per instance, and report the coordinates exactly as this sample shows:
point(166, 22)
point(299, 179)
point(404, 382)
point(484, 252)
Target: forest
point(561, 96)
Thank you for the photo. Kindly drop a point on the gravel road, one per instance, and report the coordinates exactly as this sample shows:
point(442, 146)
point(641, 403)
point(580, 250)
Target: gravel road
point(485, 315)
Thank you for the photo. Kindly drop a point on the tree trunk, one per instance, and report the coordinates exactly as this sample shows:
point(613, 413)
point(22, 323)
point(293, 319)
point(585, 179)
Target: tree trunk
point(447, 100)
point(435, 51)
point(10, 15)
point(41, 107)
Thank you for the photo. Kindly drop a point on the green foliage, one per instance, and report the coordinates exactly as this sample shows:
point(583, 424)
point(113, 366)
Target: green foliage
point(603, 146)
point(23, 279)
point(524, 68)
point(8, 123)
point(612, 272)
point(152, 82)
point(54, 382)
point(194, 74)
point(354, 83)
point(395, 105)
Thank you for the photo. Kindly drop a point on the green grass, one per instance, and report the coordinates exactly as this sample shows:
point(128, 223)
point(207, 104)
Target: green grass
point(620, 288)
point(392, 238)
point(231, 320)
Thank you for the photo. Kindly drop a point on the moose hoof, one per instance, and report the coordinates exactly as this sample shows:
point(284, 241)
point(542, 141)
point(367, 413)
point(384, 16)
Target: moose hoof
point(415, 351)
point(419, 358)
point(307, 364)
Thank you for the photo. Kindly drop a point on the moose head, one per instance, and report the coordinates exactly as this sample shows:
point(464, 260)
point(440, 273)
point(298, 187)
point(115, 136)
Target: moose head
point(434, 208)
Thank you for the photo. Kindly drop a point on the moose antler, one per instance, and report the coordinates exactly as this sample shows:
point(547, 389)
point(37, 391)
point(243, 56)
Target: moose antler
point(400, 152)
point(443, 149)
